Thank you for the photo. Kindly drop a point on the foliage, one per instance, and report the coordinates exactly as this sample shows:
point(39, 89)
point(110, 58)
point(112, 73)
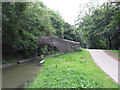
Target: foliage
point(69, 32)
point(57, 23)
point(73, 70)
point(101, 27)
point(22, 22)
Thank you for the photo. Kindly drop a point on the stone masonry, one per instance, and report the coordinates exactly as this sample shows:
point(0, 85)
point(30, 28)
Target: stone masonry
point(62, 45)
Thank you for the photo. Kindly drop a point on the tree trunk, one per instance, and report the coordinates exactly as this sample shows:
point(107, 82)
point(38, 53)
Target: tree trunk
point(110, 44)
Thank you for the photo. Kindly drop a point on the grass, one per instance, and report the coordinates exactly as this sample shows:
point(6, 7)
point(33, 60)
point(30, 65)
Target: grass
point(72, 70)
point(113, 53)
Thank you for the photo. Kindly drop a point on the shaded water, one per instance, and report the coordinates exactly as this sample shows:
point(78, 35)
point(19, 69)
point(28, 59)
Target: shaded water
point(19, 75)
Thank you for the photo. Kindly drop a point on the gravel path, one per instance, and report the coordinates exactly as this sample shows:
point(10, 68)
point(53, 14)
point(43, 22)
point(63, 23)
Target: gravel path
point(106, 63)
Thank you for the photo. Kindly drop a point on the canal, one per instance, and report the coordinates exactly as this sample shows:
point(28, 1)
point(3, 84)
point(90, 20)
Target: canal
point(20, 75)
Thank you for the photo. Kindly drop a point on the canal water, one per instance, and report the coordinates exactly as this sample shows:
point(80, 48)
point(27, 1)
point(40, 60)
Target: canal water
point(20, 75)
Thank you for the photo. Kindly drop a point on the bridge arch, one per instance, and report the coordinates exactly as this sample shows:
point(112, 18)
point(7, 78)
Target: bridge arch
point(62, 45)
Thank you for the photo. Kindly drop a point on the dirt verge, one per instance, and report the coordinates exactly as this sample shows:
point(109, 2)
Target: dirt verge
point(113, 55)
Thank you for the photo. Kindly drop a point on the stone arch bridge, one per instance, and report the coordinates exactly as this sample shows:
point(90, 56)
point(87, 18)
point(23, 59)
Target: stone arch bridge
point(62, 45)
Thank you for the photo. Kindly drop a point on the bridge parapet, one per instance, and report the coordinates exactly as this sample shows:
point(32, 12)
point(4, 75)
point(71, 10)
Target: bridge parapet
point(63, 45)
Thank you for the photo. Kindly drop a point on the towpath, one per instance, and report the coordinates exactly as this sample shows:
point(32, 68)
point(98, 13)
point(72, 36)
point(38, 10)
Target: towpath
point(108, 64)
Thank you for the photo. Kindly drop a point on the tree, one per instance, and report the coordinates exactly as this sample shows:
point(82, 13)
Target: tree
point(100, 28)
point(57, 23)
point(22, 22)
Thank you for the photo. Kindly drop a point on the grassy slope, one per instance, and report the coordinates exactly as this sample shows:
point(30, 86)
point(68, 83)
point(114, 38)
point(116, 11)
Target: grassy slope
point(73, 70)
point(113, 53)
